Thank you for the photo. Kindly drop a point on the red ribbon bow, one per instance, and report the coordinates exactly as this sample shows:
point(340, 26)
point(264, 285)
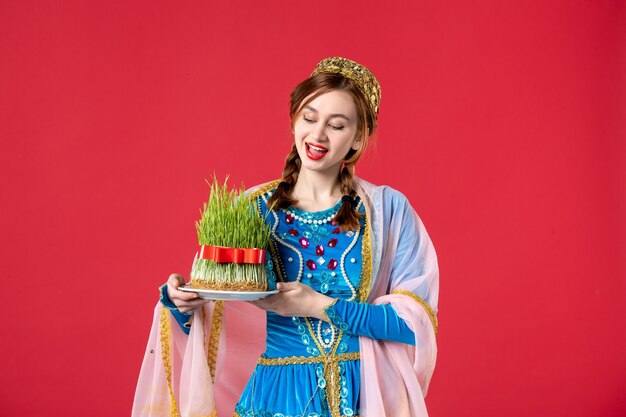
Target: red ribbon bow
point(223, 254)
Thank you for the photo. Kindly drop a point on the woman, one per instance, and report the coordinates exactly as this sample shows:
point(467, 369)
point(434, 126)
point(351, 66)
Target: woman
point(352, 329)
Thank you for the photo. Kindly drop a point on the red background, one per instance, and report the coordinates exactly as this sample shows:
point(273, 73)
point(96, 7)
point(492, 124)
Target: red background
point(503, 122)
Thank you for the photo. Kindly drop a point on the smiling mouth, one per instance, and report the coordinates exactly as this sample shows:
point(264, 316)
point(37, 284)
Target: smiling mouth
point(315, 152)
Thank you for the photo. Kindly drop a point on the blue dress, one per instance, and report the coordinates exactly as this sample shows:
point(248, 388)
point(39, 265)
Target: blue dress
point(294, 377)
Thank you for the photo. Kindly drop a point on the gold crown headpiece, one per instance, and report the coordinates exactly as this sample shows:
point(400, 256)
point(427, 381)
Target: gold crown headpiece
point(363, 78)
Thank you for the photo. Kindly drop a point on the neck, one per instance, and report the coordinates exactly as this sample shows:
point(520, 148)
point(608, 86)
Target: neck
point(317, 189)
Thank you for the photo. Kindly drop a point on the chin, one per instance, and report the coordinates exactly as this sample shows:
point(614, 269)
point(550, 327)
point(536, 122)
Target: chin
point(320, 168)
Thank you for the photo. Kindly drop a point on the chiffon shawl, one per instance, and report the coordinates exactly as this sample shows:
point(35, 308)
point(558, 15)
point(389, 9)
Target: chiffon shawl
point(204, 373)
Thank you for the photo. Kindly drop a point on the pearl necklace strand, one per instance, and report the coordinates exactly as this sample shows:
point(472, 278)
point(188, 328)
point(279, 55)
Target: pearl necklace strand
point(343, 267)
point(309, 221)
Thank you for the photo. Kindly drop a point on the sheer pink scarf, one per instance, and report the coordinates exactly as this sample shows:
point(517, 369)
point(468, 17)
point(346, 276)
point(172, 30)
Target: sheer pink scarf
point(203, 374)
point(407, 277)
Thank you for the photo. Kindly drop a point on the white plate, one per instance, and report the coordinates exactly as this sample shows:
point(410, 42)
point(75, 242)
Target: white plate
point(229, 295)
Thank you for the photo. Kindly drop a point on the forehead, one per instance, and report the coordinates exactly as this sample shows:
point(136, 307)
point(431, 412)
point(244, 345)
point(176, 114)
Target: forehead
point(334, 102)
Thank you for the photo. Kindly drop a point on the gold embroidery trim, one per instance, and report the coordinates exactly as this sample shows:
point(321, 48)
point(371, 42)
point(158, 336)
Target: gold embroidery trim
point(302, 360)
point(420, 301)
point(333, 387)
point(236, 414)
point(331, 371)
point(265, 188)
point(366, 253)
point(325, 311)
point(207, 340)
point(214, 338)
point(164, 330)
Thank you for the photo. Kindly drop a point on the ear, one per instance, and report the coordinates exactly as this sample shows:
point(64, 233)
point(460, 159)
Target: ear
point(357, 143)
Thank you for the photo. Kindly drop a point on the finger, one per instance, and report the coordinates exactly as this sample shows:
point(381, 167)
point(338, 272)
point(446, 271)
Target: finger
point(189, 306)
point(256, 304)
point(176, 280)
point(262, 304)
point(175, 293)
point(182, 295)
point(259, 303)
point(287, 286)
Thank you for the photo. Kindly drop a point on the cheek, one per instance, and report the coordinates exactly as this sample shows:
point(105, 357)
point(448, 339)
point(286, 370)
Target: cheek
point(299, 136)
point(346, 140)
point(300, 130)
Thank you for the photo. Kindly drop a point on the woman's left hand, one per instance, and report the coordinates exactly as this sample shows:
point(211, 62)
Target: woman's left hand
point(297, 300)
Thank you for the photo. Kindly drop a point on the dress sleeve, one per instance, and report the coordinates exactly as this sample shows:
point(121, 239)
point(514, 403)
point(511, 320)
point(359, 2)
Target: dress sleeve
point(379, 322)
point(183, 319)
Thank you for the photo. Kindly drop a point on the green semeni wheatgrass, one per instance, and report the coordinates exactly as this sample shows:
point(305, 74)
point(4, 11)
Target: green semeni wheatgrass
point(230, 219)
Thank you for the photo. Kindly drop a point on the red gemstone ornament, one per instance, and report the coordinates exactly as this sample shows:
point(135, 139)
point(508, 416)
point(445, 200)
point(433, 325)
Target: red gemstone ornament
point(311, 265)
point(332, 264)
point(336, 230)
point(293, 232)
point(319, 250)
point(289, 219)
point(304, 242)
point(332, 242)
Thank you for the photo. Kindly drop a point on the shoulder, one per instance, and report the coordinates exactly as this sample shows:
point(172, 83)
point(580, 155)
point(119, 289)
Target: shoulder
point(258, 190)
point(387, 196)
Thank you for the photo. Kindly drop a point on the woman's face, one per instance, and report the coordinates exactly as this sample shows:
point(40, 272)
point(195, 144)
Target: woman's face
point(325, 131)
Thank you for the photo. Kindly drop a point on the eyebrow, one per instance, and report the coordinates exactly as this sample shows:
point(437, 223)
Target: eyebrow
point(314, 110)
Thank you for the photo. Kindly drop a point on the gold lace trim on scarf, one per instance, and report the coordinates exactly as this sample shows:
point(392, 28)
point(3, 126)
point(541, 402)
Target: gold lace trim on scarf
point(264, 188)
point(214, 337)
point(164, 330)
point(420, 301)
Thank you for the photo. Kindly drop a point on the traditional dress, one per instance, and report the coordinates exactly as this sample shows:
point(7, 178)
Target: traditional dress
point(375, 359)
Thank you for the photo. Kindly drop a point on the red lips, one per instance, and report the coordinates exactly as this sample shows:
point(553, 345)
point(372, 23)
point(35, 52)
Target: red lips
point(315, 151)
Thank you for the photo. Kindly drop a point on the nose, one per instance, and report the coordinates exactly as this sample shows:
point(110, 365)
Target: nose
point(319, 132)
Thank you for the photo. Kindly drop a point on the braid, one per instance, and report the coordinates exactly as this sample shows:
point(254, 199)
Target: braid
point(281, 198)
point(347, 216)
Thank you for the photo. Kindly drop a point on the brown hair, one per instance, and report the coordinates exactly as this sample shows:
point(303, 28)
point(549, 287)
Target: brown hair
point(347, 217)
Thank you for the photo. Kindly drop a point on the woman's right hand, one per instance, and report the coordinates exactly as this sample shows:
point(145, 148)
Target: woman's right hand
point(185, 301)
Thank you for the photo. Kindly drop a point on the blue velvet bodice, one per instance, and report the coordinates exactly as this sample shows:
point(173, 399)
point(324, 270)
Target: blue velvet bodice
point(311, 248)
